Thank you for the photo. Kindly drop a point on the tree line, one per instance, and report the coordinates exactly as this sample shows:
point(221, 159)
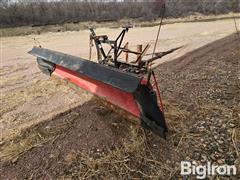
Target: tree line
point(35, 12)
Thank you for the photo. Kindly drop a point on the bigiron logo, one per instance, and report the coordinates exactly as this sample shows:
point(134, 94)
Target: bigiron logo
point(204, 171)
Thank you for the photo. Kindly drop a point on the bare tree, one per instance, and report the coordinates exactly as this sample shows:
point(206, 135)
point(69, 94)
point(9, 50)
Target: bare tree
point(43, 12)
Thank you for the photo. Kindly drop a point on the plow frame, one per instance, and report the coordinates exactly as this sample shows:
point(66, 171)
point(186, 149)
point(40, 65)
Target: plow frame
point(108, 79)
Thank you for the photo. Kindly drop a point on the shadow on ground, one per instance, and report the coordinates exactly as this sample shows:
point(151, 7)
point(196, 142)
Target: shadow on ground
point(199, 91)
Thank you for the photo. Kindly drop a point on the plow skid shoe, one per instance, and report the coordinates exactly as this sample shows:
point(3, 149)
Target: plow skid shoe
point(121, 89)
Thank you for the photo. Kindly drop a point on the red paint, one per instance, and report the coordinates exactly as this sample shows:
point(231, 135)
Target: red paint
point(113, 95)
point(158, 92)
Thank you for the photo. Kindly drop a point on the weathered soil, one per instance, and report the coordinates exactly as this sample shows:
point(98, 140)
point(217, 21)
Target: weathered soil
point(201, 97)
point(81, 129)
point(29, 97)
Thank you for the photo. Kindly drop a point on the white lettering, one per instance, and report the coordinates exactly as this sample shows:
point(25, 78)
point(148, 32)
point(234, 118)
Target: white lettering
point(202, 172)
point(186, 168)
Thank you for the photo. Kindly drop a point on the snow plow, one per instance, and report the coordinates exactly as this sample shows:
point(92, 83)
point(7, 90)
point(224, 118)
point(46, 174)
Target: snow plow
point(128, 84)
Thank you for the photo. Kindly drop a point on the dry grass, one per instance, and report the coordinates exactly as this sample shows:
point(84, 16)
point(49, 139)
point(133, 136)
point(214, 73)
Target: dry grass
point(11, 80)
point(32, 137)
point(14, 150)
point(7, 70)
point(12, 99)
point(133, 159)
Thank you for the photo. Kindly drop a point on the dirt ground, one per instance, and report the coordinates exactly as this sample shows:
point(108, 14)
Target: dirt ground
point(201, 97)
point(27, 96)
